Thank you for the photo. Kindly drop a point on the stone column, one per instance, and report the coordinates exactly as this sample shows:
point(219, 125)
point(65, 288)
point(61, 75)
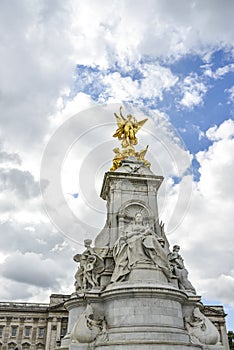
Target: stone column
point(21, 330)
point(7, 332)
point(224, 338)
point(48, 333)
point(58, 332)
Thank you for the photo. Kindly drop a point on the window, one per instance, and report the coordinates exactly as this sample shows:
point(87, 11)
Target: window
point(12, 346)
point(63, 331)
point(25, 346)
point(1, 331)
point(13, 331)
point(27, 331)
point(41, 332)
point(39, 346)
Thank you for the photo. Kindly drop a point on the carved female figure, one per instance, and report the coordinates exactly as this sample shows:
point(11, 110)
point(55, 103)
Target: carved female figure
point(139, 244)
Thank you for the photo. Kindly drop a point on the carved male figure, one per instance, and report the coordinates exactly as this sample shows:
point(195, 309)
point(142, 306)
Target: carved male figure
point(179, 270)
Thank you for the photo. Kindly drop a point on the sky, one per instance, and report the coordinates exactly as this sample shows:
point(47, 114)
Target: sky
point(65, 68)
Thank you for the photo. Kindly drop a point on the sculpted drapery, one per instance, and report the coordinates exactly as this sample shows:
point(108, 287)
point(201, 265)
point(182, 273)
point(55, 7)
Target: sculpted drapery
point(138, 244)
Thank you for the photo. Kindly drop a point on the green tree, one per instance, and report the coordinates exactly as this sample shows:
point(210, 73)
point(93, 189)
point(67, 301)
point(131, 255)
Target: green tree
point(231, 339)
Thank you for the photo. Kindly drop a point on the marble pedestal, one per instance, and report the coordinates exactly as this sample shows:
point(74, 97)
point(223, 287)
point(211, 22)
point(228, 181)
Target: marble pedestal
point(139, 315)
point(144, 316)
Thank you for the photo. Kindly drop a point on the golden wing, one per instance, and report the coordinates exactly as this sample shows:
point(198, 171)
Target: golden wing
point(142, 153)
point(120, 120)
point(138, 125)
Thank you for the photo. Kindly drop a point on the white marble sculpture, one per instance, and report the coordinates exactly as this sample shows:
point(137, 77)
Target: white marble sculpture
point(90, 268)
point(138, 244)
point(179, 270)
point(86, 329)
point(201, 329)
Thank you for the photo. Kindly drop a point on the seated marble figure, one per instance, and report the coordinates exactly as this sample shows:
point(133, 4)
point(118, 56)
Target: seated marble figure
point(138, 244)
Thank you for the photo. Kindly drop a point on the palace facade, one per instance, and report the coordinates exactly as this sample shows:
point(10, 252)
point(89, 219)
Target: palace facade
point(33, 326)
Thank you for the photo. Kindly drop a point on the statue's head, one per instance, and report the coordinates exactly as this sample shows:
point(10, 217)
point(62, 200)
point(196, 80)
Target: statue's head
point(138, 218)
point(176, 248)
point(87, 243)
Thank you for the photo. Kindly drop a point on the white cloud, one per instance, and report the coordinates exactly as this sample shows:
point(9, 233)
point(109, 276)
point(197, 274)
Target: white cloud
point(213, 288)
point(224, 131)
point(121, 88)
point(198, 130)
point(30, 268)
point(8, 158)
point(36, 67)
point(36, 260)
point(20, 182)
point(206, 234)
point(68, 109)
point(48, 40)
point(125, 31)
point(231, 94)
point(154, 80)
point(193, 89)
point(220, 72)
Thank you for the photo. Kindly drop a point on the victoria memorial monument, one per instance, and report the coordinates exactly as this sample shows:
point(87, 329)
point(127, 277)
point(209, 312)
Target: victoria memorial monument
point(132, 290)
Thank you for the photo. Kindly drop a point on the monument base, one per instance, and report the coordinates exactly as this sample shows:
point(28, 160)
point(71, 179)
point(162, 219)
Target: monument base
point(153, 345)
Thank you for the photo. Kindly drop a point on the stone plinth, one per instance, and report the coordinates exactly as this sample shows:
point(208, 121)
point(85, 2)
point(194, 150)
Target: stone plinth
point(144, 313)
point(139, 316)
